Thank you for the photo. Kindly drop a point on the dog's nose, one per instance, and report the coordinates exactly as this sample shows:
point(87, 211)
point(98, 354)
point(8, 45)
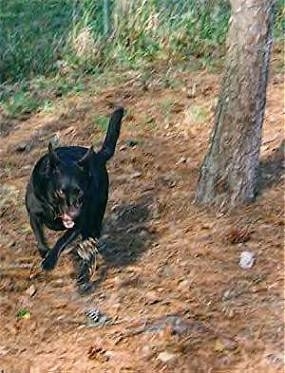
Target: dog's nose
point(72, 212)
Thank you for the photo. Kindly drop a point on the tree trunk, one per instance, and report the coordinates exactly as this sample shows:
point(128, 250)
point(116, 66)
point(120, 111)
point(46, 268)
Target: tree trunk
point(229, 172)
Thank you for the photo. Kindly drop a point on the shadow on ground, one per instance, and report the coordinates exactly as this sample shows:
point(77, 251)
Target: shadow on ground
point(271, 169)
point(127, 235)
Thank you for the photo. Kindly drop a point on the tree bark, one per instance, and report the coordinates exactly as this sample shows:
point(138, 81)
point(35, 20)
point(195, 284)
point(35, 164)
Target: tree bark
point(229, 172)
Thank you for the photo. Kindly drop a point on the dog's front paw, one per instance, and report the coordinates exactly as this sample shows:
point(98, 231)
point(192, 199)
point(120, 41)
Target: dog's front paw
point(49, 262)
point(43, 250)
point(86, 288)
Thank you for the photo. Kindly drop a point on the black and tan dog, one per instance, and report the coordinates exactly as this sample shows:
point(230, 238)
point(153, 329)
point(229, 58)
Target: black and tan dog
point(68, 190)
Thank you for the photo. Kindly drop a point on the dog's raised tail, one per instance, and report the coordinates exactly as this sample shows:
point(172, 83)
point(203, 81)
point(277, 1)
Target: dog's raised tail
point(113, 132)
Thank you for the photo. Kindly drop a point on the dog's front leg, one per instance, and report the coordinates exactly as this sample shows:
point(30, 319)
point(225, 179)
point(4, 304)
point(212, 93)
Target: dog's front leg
point(51, 259)
point(37, 227)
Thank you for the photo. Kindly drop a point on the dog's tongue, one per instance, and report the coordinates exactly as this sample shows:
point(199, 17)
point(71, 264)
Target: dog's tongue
point(67, 221)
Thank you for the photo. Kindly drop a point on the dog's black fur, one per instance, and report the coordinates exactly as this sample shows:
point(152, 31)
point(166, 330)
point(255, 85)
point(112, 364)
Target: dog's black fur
point(68, 190)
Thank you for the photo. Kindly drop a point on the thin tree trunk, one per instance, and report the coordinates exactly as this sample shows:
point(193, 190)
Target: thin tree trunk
point(106, 16)
point(229, 171)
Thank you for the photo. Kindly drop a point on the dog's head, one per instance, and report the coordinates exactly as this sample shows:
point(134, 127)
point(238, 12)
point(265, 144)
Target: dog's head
point(68, 185)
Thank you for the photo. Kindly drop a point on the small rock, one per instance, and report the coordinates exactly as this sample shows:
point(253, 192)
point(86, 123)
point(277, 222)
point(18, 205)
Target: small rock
point(227, 295)
point(31, 291)
point(151, 297)
point(120, 358)
point(165, 356)
point(247, 259)
point(181, 160)
point(55, 140)
point(275, 359)
point(27, 167)
point(135, 175)
point(123, 147)
point(172, 184)
point(143, 234)
point(24, 146)
point(224, 344)
point(146, 351)
point(184, 284)
point(67, 131)
point(4, 350)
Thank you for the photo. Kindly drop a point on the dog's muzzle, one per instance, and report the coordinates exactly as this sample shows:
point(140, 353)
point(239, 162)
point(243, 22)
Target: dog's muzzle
point(67, 221)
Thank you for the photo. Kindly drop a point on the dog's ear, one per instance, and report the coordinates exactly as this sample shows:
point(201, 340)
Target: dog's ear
point(53, 158)
point(84, 161)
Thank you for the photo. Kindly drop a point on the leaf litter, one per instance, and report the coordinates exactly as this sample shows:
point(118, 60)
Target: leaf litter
point(172, 295)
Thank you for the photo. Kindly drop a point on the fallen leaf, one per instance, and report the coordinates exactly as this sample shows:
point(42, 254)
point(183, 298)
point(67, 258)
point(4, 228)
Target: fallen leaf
point(23, 313)
point(219, 346)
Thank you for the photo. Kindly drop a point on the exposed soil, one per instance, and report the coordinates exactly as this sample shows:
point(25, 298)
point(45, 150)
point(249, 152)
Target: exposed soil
point(169, 278)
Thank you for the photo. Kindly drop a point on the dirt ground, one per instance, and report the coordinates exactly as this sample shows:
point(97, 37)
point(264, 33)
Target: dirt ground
point(169, 280)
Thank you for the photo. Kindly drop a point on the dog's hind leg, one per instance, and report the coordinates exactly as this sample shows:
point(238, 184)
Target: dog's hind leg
point(51, 259)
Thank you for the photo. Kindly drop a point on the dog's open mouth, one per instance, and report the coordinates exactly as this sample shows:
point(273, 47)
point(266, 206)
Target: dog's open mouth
point(67, 221)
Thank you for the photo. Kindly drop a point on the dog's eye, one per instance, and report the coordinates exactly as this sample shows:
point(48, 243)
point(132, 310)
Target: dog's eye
point(76, 191)
point(60, 193)
point(80, 196)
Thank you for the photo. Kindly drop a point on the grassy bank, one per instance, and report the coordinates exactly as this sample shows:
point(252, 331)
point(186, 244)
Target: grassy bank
point(50, 46)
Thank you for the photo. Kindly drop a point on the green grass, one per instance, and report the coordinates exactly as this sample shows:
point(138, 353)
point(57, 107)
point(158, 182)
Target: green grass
point(48, 47)
point(21, 103)
point(37, 94)
point(197, 114)
point(38, 37)
point(166, 107)
point(32, 37)
point(101, 122)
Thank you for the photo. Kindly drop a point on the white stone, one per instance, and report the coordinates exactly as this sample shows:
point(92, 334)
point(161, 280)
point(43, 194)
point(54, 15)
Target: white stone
point(165, 356)
point(247, 259)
